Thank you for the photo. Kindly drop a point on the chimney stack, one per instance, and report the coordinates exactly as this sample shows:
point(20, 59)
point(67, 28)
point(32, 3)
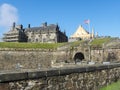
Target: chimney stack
point(44, 24)
point(13, 25)
point(21, 26)
point(28, 25)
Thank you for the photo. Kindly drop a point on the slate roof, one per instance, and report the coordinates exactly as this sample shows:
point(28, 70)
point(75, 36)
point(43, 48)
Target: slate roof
point(51, 27)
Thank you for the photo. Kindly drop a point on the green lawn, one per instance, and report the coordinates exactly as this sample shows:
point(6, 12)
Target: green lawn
point(30, 45)
point(113, 86)
point(99, 42)
point(94, 43)
point(76, 43)
point(36, 45)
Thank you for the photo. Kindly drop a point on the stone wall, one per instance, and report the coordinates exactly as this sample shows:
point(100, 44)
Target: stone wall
point(72, 78)
point(29, 58)
point(100, 55)
point(35, 58)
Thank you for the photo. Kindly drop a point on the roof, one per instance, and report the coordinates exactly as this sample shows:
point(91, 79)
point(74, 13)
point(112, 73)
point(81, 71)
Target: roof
point(79, 32)
point(51, 27)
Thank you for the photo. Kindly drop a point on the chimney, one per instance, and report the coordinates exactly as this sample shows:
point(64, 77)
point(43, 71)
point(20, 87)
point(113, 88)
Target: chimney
point(28, 25)
point(21, 26)
point(44, 24)
point(13, 25)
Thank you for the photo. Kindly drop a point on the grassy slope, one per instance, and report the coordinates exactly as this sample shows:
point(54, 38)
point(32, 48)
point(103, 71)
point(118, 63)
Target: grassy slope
point(36, 45)
point(30, 45)
point(76, 43)
point(99, 42)
point(114, 86)
point(94, 43)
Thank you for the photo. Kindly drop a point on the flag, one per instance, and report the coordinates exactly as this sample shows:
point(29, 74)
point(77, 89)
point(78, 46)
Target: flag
point(87, 21)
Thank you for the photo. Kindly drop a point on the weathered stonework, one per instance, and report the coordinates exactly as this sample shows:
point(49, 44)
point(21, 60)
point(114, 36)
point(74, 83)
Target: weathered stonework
point(112, 55)
point(29, 59)
point(43, 58)
point(74, 78)
point(45, 33)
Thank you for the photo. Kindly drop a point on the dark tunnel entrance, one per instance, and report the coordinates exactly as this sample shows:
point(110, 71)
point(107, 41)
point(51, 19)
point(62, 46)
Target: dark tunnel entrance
point(78, 57)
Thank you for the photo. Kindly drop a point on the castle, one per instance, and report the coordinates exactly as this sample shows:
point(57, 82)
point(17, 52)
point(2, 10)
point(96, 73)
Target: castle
point(45, 33)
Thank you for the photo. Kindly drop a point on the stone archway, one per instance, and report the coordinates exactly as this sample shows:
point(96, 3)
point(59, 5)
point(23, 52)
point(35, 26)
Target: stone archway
point(78, 57)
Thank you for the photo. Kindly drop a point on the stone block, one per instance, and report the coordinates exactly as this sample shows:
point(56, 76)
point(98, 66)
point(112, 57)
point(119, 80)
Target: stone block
point(116, 65)
point(110, 66)
point(54, 72)
point(102, 67)
point(13, 76)
point(90, 68)
point(80, 70)
point(36, 74)
point(66, 71)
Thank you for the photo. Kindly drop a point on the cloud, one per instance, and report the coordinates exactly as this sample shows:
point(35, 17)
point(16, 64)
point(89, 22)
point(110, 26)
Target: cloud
point(8, 15)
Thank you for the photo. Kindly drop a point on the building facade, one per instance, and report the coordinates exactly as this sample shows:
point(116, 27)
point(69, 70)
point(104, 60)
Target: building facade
point(45, 34)
point(16, 34)
point(81, 34)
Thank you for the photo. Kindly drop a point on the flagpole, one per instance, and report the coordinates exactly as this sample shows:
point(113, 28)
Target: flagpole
point(88, 23)
point(89, 27)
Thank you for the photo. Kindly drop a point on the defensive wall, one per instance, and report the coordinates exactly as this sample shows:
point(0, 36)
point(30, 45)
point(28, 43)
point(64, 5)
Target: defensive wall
point(98, 54)
point(29, 58)
point(64, 78)
point(35, 58)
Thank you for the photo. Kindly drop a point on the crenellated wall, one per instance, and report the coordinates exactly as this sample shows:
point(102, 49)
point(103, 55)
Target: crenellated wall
point(64, 78)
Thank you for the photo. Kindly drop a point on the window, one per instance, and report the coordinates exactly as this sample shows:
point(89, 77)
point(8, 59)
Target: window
point(36, 40)
point(29, 40)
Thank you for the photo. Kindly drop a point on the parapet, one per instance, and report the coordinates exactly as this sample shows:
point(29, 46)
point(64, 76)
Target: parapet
point(8, 76)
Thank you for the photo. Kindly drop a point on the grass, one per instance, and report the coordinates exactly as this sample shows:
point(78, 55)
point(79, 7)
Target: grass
point(30, 45)
point(76, 43)
point(113, 86)
point(95, 43)
point(99, 42)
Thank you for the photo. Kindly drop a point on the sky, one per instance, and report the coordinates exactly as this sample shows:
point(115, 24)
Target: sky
point(104, 15)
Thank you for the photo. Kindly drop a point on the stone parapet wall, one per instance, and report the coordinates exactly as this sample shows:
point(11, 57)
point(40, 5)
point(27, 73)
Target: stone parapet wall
point(65, 78)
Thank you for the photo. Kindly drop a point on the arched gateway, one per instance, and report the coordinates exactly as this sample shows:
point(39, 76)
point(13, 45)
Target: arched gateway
point(78, 57)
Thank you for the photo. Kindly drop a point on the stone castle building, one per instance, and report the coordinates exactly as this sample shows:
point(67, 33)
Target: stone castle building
point(81, 34)
point(16, 34)
point(45, 33)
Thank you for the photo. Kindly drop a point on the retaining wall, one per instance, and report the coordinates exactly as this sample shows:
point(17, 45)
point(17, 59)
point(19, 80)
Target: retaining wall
point(64, 78)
